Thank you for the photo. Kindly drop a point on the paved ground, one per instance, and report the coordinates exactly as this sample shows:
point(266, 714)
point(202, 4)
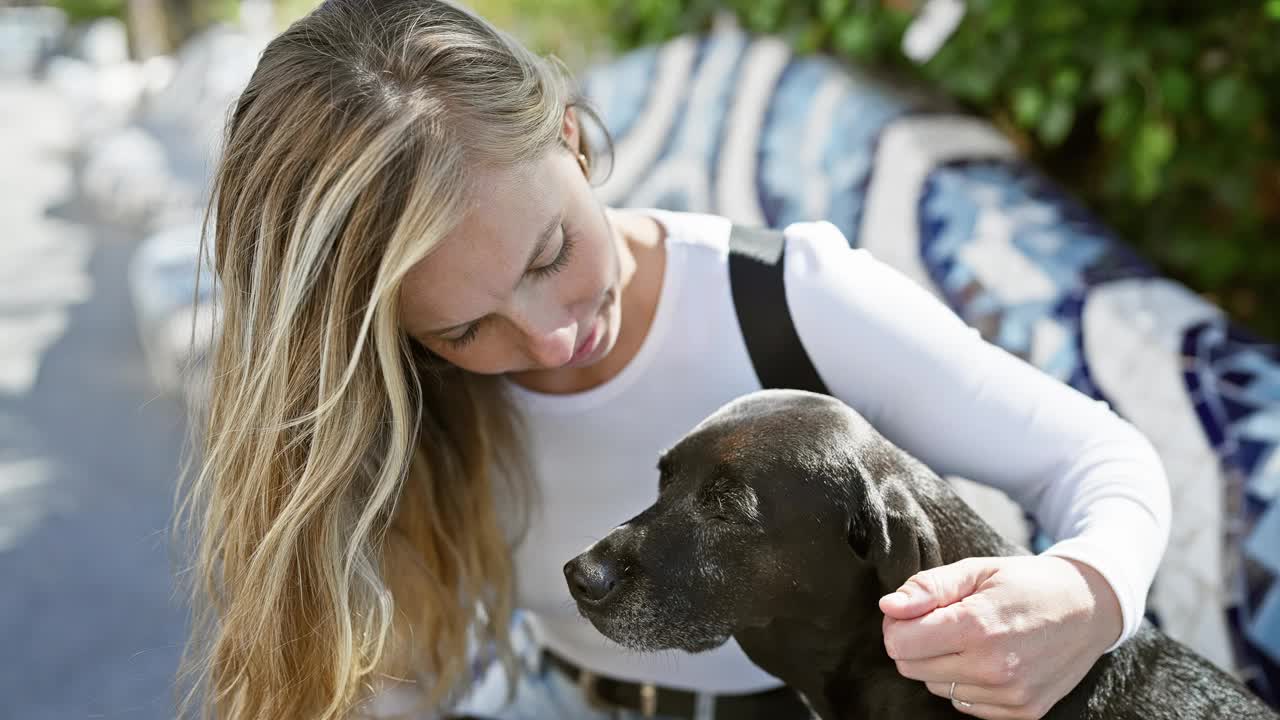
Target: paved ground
point(89, 623)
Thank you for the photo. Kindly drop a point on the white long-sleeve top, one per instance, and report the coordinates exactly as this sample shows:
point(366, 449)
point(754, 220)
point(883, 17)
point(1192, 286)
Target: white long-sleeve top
point(889, 349)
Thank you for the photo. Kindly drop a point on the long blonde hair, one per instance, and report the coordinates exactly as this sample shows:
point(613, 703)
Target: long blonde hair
point(347, 520)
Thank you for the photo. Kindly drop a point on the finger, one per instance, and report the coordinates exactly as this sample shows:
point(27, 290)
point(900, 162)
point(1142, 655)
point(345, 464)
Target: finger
point(935, 588)
point(943, 669)
point(990, 712)
point(944, 631)
point(967, 692)
point(989, 703)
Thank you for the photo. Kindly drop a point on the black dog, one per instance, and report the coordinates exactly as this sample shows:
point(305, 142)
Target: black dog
point(781, 519)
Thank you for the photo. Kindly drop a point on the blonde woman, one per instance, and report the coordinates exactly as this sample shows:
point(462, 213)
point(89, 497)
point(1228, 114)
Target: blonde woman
point(443, 369)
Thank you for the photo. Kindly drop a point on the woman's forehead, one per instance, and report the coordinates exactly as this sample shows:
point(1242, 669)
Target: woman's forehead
point(500, 200)
point(479, 262)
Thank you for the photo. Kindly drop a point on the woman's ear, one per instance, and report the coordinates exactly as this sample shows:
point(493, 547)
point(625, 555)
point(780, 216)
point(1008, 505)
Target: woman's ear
point(571, 129)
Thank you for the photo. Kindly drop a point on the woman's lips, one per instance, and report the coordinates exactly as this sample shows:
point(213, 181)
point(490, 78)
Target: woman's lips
point(596, 333)
point(588, 343)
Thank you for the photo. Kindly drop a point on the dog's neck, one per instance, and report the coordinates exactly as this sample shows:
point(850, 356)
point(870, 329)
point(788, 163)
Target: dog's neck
point(828, 643)
point(827, 636)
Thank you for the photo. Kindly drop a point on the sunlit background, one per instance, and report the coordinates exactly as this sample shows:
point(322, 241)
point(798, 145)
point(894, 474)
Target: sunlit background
point(1151, 127)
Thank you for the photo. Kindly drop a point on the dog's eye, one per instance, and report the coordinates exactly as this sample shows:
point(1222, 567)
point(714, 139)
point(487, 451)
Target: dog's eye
point(730, 502)
point(723, 513)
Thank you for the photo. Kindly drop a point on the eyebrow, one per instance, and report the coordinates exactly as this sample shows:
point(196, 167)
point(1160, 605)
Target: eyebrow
point(544, 237)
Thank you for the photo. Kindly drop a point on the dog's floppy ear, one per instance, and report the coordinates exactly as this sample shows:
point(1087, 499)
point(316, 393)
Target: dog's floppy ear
point(888, 529)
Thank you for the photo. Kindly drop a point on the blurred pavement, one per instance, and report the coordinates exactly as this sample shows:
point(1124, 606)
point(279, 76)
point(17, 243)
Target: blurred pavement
point(90, 626)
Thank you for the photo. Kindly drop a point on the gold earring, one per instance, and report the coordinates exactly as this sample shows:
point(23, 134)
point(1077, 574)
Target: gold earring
point(582, 162)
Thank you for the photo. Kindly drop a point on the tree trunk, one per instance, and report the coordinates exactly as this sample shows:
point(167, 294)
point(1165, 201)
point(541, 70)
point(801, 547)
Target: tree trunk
point(149, 28)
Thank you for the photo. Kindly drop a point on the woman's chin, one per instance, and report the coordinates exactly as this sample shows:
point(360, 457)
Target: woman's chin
point(608, 343)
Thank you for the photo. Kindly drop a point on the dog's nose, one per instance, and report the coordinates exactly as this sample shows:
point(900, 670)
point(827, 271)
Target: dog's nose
point(591, 580)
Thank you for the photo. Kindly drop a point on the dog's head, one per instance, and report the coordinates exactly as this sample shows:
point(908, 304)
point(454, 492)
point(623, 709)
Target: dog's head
point(776, 500)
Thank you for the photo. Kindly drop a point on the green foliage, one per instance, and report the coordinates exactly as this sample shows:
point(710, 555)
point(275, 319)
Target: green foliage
point(1161, 115)
point(79, 10)
point(572, 30)
point(181, 17)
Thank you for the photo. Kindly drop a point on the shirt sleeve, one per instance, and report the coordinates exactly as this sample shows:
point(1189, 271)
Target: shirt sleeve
point(934, 387)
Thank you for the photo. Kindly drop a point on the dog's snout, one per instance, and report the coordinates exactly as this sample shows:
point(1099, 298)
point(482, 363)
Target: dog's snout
point(591, 580)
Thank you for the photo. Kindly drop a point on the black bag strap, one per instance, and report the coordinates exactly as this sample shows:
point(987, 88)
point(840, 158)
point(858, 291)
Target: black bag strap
point(760, 301)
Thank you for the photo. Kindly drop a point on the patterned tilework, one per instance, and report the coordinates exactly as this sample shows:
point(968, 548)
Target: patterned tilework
point(1014, 257)
point(1234, 384)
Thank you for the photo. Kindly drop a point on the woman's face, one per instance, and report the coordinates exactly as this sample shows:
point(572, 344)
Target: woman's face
point(529, 281)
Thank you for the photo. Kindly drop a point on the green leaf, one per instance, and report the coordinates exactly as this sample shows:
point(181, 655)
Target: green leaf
point(1145, 183)
point(1221, 97)
point(762, 16)
point(1028, 104)
point(1151, 152)
point(1066, 81)
point(1060, 17)
point(1232, 101)
point(808, 37)
point(1056, 123)
point(1218, 262)
point(1172, 44)
point(1272, 9)
point(969, 82)
point(1109, 76)
point(91, 9)
point(1117, 116)
point(855, 36)
point(1156, 142)
point(1001, 13)
point(1234, 191)
point(1175, 90)
point(830, 11)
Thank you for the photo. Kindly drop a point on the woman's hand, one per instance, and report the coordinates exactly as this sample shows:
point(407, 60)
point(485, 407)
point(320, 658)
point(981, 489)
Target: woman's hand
point(1015, 634)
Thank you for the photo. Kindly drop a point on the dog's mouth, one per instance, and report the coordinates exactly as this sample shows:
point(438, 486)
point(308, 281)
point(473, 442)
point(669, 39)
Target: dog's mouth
point(631, 612)
point(646, 627)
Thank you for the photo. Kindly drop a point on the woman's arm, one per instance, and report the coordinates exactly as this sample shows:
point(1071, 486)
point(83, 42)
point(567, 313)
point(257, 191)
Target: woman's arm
point(934, 387)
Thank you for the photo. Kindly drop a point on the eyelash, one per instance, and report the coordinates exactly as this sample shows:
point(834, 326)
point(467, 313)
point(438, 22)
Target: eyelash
point(551, 268)
point(561, 258)
point(466, 337)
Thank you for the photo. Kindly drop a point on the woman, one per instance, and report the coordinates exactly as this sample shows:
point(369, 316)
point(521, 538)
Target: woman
point(444, 368)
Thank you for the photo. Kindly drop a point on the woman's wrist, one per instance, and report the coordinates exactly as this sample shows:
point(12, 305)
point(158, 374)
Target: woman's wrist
point(1117, 577)
point(1108, 618)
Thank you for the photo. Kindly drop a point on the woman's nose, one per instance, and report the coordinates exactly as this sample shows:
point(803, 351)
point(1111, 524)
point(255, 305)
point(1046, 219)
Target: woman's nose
point(551, 344)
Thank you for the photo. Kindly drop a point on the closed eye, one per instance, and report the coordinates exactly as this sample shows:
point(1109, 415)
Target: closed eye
point(561, 259)
point(467, 336)
point(556, 264)
point(731, 502)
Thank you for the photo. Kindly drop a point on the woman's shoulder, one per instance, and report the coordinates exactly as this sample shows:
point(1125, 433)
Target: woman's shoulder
point(817, 248)
point(809, 241)
point(691, 230)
